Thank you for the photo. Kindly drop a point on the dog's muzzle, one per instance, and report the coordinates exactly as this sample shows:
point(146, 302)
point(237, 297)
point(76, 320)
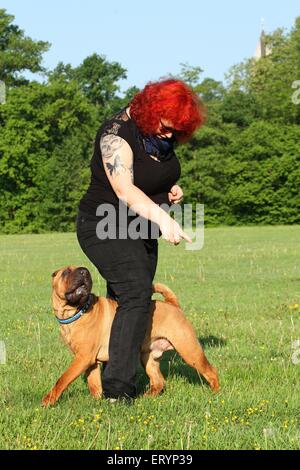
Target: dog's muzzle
point(79, 286)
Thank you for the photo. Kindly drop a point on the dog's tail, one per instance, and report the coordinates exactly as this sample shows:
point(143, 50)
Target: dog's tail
point(166, 292)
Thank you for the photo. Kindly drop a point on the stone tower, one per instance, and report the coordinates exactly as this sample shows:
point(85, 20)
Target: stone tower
point(262, 50)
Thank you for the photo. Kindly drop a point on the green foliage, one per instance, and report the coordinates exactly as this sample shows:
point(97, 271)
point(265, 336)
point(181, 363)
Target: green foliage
point(245, 176)
point(18, 53)
point(190, 75)
point(210, 90)
point(243, 164)
point(269, 80)
point(61, 182)
point(37, 121)
point(262, 168)
point(97, 78)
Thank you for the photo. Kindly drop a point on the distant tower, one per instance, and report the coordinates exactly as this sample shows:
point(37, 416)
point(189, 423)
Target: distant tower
point(262, 50)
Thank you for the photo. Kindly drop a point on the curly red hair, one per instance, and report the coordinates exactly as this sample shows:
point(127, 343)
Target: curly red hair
point(168, 99)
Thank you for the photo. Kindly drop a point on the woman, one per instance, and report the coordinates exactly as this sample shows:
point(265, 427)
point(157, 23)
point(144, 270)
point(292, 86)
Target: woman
point(134, 164)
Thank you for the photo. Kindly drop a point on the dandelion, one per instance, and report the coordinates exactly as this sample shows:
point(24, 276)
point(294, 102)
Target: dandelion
point(294, 307)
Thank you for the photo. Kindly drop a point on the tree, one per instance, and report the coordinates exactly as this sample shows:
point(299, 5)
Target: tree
point(243, 164)
point(211, 90)
point(269, 80)
point(98, 80)
point(57, 198)
point(263, 173)
point(18, 53)
point(38, 118)
point(238, 107)
point(190, 74)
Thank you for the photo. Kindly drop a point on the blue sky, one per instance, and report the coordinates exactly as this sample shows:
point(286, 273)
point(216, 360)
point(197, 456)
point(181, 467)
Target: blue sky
point(151, 38)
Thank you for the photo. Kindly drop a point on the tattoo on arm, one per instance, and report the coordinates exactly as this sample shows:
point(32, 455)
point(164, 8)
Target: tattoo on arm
point(131, 172)
point(117, 167)
point(110, 145)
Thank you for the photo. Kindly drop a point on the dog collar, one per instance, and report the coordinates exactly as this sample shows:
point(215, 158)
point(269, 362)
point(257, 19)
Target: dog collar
point(78, 313)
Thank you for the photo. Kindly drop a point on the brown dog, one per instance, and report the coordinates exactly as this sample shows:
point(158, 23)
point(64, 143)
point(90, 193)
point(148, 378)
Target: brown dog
point(88, 336)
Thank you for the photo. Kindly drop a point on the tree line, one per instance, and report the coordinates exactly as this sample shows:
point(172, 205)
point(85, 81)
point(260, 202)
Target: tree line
point(243, 164)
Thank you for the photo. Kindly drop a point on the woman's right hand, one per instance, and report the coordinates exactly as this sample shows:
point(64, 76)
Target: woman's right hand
point(172, 232)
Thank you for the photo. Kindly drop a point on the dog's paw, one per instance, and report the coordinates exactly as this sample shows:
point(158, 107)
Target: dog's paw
point(154, 391)
point(96, 394)
point(215, 386)
point(48, 400)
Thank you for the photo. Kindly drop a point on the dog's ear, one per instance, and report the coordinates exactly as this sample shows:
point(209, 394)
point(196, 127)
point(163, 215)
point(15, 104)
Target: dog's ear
point(55, 272)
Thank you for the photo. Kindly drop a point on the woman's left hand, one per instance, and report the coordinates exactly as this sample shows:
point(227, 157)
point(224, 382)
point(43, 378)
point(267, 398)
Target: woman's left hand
point(176, 194)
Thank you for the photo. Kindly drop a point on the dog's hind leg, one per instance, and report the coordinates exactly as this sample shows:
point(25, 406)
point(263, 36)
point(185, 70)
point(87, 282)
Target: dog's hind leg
point(94, 381)
point(193, 354)
point(203, 367)
point(152, 368)
point(188, 347)
point(78, 366)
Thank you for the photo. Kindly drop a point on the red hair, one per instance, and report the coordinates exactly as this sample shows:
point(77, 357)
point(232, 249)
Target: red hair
point(168, 99)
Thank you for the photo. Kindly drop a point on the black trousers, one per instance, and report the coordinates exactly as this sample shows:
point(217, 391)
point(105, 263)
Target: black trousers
point(128, 266)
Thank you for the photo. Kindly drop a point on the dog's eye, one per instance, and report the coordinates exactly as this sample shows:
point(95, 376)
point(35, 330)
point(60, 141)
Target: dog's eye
point(66, 272)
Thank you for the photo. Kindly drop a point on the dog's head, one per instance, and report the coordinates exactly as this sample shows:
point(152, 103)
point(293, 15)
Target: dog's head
point(70, 286)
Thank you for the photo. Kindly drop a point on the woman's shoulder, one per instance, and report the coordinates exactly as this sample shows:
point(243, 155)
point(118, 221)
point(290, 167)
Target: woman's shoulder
point(121, 125)
point(118, 122)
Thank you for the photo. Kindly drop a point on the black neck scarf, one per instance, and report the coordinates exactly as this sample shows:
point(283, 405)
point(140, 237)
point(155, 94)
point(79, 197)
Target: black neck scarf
point(162, 149)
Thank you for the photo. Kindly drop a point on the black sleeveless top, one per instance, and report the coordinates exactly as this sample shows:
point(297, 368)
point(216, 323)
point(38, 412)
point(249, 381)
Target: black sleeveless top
point(153, 177)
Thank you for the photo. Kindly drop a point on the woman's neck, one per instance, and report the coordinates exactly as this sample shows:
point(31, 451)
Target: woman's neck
point(127, 110)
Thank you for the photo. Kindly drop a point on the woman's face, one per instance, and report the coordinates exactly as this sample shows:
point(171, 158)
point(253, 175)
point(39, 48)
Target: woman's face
point(165, 129)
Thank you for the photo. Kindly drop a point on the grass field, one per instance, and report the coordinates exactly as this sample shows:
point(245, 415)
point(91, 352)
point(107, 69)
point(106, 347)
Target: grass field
point(242, 293)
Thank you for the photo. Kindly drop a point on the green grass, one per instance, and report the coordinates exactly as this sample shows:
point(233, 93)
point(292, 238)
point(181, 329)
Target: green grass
point(241, 292)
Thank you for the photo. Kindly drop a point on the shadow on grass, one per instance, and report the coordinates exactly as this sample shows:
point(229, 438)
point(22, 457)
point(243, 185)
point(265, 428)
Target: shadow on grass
point(172, 365)
point(212, 342)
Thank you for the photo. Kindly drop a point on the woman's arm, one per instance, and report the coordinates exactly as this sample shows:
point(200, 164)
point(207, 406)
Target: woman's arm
point(118, 164)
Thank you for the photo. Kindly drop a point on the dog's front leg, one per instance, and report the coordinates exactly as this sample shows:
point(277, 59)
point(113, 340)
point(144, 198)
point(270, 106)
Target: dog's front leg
point(78, 366)
point(94, 381)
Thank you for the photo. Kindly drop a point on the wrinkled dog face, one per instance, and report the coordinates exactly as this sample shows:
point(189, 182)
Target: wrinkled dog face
point(71, 285)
